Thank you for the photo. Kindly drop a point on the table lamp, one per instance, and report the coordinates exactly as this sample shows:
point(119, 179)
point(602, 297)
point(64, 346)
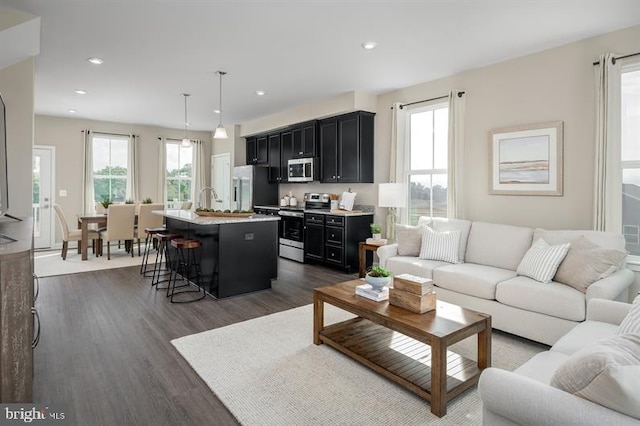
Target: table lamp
point(393, 196)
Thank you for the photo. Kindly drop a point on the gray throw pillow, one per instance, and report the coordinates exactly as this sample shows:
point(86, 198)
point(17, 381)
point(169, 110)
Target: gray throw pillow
point(587, 263)
point(409, 239)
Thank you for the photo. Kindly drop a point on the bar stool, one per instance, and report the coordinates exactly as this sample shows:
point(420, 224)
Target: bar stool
point(148, 241)
point(185, 262)
point(162, 254)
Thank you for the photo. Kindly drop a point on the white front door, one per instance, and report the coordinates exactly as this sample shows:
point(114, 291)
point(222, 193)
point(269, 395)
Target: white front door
point(221, 180)
point(43, 160)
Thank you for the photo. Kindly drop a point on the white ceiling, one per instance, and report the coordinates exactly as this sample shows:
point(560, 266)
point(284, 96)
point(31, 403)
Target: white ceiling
point(298, 51)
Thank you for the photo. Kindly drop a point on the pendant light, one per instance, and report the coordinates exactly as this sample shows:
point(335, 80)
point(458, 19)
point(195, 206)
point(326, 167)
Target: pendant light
point(186, 142)
point(221, 132)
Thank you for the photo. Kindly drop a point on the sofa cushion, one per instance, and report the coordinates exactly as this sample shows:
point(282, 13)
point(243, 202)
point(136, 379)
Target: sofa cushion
point(608, 240)
point(502, 246)
point(552, 298)
point(606, 372)
point(542, 260)
point(413, 265)
point(542, 366)
point(409, 239)
point(582, 335)
point(440, 245)
point(469, 278)
point(631, 323)
point(442, 224)
point(587, 263)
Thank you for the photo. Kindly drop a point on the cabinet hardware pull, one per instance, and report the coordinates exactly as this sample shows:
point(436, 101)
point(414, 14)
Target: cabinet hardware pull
point(37, 292)
point(36, 338)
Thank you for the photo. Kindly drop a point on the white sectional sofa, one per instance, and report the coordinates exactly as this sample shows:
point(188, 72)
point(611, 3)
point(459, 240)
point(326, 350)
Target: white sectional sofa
point(486, 279)
point(526, 396)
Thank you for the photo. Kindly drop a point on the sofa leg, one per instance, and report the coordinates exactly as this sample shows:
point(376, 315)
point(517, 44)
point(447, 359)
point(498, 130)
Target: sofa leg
point(65, 246)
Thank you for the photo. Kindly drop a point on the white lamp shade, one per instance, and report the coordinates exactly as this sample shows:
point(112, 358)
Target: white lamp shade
point(221, 133)
point(392, 195)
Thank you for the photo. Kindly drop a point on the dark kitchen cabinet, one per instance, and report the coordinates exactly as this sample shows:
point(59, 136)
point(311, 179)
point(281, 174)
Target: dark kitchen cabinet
point(257, 149)
point(286, 153)
point(274, 147)
point(314, 236)
point(346, 148)
point(304, 139)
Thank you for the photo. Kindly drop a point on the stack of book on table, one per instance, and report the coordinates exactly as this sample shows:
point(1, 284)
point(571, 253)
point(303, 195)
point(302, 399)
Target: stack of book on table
point(365, 290)
point(413, 293)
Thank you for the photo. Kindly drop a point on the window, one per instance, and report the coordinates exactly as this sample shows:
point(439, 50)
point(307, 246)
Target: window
point(110, 167)
point(427, 134)
point(179, 171)
point(630, 140)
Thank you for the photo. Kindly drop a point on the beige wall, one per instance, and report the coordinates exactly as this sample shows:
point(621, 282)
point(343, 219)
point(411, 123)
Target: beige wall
point(65, 134)
point(17, 88)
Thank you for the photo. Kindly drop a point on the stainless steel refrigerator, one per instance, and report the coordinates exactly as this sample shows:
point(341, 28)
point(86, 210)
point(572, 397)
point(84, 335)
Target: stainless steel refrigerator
point(251, 187)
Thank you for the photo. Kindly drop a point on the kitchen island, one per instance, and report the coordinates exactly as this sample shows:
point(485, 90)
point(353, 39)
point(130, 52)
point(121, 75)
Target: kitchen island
point(238, 255)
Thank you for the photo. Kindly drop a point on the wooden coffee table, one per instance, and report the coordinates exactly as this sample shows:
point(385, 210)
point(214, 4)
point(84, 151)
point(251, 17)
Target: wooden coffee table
point(417, 358)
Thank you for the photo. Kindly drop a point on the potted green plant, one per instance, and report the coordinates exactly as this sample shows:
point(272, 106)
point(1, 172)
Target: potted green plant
point(106, 202)
point(378, 277)
point(128, 201)
point(376, 231)
point(147, 200)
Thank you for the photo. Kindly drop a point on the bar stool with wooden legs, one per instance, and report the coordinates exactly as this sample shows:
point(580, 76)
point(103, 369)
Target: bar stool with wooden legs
point(185, 263)
point(162, 255)
point(149, 241)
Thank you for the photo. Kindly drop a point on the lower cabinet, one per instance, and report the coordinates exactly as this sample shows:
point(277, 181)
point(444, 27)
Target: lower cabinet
point(333, 239)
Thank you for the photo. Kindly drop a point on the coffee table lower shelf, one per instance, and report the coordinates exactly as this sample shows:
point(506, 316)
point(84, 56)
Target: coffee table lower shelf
point(400, 358)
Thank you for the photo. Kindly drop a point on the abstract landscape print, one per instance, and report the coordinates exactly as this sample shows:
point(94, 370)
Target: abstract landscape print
point(527, 160)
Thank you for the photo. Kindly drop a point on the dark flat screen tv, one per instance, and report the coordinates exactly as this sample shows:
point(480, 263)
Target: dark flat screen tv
point(4, 183)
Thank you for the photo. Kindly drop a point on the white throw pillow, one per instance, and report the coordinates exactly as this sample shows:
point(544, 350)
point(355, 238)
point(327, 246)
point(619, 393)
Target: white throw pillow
point(542, 260)
point(631, 323)
point(409, 239)
point(606, 372)
point(440, 245)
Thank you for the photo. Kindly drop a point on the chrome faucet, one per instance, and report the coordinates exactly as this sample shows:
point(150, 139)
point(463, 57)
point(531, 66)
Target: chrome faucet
point(213, 193)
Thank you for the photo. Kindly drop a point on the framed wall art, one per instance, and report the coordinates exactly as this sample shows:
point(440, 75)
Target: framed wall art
point(526, 160)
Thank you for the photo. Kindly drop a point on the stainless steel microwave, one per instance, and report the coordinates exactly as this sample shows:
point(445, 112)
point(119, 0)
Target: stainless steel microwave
point(300, 170)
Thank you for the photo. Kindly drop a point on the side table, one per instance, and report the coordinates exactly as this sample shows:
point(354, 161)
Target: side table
point(363, 248)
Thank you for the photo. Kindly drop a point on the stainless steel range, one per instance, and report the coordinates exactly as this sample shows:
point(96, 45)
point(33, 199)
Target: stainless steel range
point(292, 225)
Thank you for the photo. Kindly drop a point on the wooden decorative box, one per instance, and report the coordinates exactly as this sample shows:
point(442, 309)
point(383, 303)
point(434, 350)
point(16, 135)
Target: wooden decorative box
point(411, 301)
point(413, 284)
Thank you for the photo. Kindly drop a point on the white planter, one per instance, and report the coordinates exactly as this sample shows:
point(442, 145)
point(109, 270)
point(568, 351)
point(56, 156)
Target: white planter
point(377, 236)
point(377, 282)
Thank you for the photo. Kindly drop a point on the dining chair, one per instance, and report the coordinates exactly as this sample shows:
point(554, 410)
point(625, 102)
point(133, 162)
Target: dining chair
point(120, 221)
point(74, 234)
point(147, 220)
point(186, 205)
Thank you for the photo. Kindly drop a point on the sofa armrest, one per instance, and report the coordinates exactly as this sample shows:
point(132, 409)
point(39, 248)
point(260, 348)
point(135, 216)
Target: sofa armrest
point(614, 287)
point(609, 311)
point(513, 398)
point(385, 252)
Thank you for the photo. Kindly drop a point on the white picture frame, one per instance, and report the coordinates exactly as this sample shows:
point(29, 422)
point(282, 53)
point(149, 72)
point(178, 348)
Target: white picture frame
point(526, 160)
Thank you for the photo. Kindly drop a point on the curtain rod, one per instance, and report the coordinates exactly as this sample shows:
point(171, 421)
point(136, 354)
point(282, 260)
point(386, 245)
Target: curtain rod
point(613, 60)
point(428, 100)
point(110, 133)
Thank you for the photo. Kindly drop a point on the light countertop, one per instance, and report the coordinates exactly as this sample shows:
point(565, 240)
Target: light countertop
point(191, 217)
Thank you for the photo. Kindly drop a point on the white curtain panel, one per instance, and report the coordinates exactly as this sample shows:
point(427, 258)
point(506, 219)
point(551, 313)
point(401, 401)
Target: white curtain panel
point(132, 168)
point(608, 174)
point(455, 208)
point(162, 171)
point(88, 204)
point(199, 170)
point(399, 148)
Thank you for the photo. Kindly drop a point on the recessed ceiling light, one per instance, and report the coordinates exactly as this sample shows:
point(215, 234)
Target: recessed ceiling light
point(96, 61)
point(368, 45)
point(72, 111)
point(81, 92)
point(260, 92)
point(216, 111)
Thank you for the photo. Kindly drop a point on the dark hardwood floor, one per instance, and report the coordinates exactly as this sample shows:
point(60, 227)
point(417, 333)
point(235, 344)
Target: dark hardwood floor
point(105, 355)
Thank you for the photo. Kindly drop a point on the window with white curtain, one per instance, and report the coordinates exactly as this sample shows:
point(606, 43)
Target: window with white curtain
point(630, 144)
point(110, 159)
point(179, 173)
point(426, 160)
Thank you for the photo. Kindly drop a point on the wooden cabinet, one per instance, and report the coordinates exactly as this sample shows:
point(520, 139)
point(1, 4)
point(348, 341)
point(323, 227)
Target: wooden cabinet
point(304, 139)
point(346, 148)
point(16, 312)
point(286, 153)
point(333, 239)
point(257, 149)
point(274, 148)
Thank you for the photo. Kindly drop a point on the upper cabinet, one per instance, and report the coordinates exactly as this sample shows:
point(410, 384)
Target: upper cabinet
point(257, 149)
point(274, 149)
point(346, 148)
point(304, 139)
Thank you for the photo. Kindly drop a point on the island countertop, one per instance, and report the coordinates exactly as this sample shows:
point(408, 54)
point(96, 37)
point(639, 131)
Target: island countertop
point(191, 217)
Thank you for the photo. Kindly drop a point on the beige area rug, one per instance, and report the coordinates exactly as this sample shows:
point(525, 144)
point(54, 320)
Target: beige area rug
point(267, 371)
point(49, 263)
